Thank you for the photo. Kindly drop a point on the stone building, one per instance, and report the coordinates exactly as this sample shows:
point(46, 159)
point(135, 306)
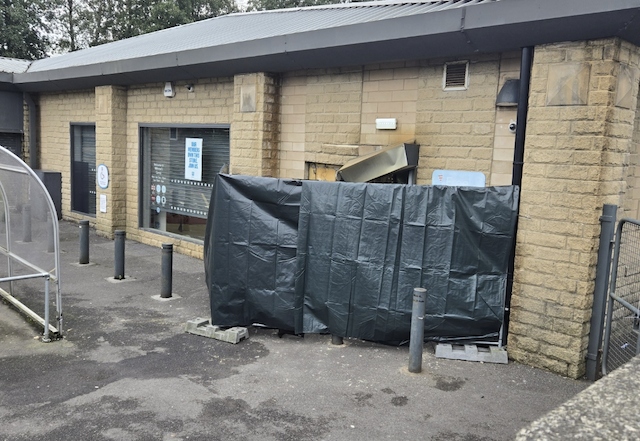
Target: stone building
point(297, 93)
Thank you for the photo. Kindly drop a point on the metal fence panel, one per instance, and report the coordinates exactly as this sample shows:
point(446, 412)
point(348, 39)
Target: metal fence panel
point(621, 341)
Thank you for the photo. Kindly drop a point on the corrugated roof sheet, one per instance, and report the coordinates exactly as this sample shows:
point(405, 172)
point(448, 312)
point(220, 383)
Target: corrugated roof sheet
point(246, 27)
point(332, 36)
point(13, 65)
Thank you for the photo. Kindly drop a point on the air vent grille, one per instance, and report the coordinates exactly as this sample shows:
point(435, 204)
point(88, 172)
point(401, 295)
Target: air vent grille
point(456, 76)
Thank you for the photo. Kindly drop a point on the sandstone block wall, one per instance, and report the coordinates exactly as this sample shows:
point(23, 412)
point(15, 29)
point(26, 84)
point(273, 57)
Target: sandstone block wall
point(210, 102)
point(583, 136)
point(328, 117)
point(256, 125)
point(57, 112)
point(455, 128)
point(111, 150)
point(577, 155)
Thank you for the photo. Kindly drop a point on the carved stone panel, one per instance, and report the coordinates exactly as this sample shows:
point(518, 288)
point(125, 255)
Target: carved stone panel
point(568, 84)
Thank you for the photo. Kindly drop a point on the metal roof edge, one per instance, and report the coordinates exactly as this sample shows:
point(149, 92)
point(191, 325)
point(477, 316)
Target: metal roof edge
point(13, 65)
point(7, 82)
point(350, 5)
point(475, 28)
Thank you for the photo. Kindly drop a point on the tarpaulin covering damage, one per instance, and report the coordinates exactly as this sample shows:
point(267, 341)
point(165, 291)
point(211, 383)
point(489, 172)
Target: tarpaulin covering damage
point(343, 258)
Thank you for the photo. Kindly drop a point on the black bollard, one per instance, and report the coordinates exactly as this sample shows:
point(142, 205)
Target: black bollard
point(84, 242)
point(119, 237)
point(416, 339)
point(26, 223)
point(167, 270)
point(51, 242)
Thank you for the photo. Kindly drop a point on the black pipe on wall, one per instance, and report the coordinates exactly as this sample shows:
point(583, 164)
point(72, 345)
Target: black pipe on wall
point(523, 109)
point(526, 61)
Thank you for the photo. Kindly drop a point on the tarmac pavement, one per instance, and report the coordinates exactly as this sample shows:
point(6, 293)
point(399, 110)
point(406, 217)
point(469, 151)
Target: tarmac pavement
point(126, 370)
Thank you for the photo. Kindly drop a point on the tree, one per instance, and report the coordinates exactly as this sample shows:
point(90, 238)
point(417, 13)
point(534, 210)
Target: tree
point(98, 22)
point(169, 13)
point(67, 24)
point(263, 5)
point(93, 22)
point(22, 32)
point(32, 29)
point(201, 9)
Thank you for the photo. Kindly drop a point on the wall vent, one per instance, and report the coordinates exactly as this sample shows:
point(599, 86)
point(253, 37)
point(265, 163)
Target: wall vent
point(456, 76)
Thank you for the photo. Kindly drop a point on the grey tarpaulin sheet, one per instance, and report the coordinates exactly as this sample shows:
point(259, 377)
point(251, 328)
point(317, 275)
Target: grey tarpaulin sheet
point(361, 249)
point(348, 257)
point(456, 243)
point(250, 251)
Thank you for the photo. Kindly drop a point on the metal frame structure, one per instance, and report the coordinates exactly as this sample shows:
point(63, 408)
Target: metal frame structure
point(623, 307)
point(12, 257)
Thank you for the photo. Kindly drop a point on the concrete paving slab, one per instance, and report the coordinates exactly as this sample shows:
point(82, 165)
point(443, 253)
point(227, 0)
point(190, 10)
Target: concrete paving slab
point(126, 370)
point(606, 410)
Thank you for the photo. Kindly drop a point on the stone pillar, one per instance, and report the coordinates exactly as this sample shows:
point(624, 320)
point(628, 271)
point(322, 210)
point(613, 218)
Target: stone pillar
point(576, 159)
point(255, 127)
point(111, 144)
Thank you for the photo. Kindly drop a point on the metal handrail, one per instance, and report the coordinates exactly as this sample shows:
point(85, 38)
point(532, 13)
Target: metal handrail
point(22, 307)
point(26, 263)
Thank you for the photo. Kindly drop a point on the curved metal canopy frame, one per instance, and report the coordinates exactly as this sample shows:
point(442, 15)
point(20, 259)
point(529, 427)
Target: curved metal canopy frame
point(30, 243)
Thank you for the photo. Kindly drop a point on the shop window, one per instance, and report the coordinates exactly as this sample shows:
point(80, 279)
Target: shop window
point(83, 168)
point(178, 170)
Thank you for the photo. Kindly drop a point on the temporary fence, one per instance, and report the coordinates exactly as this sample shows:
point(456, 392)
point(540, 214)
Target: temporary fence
point(343, 258)
point(622, 327)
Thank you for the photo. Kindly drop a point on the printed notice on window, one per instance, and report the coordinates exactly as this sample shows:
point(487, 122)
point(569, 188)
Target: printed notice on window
point(193, 159)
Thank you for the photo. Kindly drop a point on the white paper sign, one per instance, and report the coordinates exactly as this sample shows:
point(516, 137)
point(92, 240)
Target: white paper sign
point(193, 159)
point(103, 203)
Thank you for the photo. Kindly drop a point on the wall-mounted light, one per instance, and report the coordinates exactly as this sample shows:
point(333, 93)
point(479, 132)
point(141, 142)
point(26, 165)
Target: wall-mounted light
point(509, 94)
point(190, 88)
point(386, 123)
point(169, 90)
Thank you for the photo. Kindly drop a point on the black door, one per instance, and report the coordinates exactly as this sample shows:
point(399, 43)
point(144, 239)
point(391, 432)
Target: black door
point(83, 169)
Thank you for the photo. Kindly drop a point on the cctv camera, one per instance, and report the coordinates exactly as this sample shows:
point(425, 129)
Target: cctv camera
point(512, 126)
point(189, 87)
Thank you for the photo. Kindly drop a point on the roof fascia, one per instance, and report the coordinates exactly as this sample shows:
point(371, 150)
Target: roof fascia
point(482, 28)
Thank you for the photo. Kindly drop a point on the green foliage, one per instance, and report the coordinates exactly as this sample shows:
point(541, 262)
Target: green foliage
point(31, 29)
point(22, 33)
point(264, 5)
point(111, 20)
point(165, 14)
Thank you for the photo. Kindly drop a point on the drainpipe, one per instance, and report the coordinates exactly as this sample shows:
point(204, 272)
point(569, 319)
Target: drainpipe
point(526, 60)
point(33, 141)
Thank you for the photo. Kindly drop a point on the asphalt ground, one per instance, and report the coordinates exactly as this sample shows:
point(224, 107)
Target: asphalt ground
point(126, 370)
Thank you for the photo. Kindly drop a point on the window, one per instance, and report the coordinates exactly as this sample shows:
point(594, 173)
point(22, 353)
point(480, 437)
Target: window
point(83, 168)
point(12, 142)
point(178, 170)
point(456, 76)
